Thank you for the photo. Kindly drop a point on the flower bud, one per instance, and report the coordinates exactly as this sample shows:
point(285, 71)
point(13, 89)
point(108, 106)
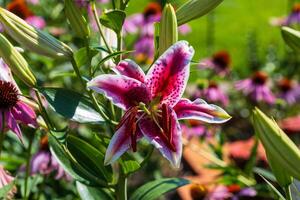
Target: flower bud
point(278, 145)
point(76, 19)
point(33, 39)
point(16, 62)
point(168, 33)
point(194, 9)
point(291, 37)
point(279, 172)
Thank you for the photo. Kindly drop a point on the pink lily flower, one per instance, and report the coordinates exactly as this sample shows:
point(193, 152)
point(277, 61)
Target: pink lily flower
point(153, 103)
point(13, 107)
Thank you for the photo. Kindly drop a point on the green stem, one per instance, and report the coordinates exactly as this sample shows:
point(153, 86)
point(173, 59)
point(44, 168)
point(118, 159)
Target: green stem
point(44, 111)
point(95, 14)
point(27, 168)
point(122, 187)
point(2, 133)
point(287, 191)
point(91, 95)
point(119, 47)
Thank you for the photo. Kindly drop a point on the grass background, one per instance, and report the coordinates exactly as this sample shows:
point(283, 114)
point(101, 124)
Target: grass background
point(234, 22)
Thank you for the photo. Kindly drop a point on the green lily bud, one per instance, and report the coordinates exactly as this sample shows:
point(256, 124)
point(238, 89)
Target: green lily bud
point(16, 62)
point(291, 37)
point(278, 145)
point(33, 39)
point(76, 19)
point(168, 33)
point(194, 9)
point(279, 172)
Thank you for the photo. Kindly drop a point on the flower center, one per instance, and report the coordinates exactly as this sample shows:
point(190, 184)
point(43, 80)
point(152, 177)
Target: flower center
point(8, 95)
point(296, 8)
point(152, 9)
point(221, 59)
point(285, 85)
point(260, 78)
point(19, 8)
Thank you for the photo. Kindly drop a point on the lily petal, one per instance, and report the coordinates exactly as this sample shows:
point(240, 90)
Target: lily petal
point(131, 69)
point(119, 144)
point(200, 110)
point(168, 76)
point(24, 113)
point(153, 134)
point(12, 124)
point(125, 92)
point(5, 74)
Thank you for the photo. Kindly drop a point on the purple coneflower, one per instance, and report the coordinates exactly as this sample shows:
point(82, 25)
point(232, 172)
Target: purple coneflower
point(234, 192)
point(219, 62)
point(256, 87)
point(214, 94)
point(44, 163)
point(289, 91)
point(13, 107)
point(294, 16)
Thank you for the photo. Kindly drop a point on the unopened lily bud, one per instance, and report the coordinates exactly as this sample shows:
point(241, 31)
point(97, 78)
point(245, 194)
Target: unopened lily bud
point(283, 178)
point(168, 33)
point(277, 144)
point(194, 9)
point(291, 37)
point(16, 62)
point(33, 39)
point(76, 19)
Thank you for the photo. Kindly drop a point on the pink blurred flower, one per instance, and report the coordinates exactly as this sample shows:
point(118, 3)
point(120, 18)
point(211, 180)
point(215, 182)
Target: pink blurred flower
point(153, 103)
point(5, 179)
point(20, 8)
point(43, 162)
point(219, 62)
point(289, 90)
point(256, 87)
point(13, 107)
point(233, 192)
point(213, 93)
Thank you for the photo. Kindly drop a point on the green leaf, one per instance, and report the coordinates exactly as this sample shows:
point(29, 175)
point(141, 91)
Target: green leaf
point(89, 157)
point(82, 56)
point(6, 189)
point(70, 165)
point(71, 105)
point(129, 164)
point(154, 189)
point(273, 188)
point(113, 20)
point(92, 193)
point(267, 174)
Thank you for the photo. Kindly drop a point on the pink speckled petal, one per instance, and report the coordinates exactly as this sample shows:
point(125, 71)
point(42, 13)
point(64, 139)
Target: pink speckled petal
point(168, 76)
point(153, 134)
point(12, 124)
point(5, 73)
point(119, 144)
point(24, 113)
point(200, 110)
point(125, 92)
point(131, 69)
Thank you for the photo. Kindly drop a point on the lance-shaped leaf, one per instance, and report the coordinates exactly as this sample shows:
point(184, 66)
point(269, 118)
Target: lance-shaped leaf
point(154, 189)
point(71, 105)
point(92, 193)
point(113, 20)
point(194, 9)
